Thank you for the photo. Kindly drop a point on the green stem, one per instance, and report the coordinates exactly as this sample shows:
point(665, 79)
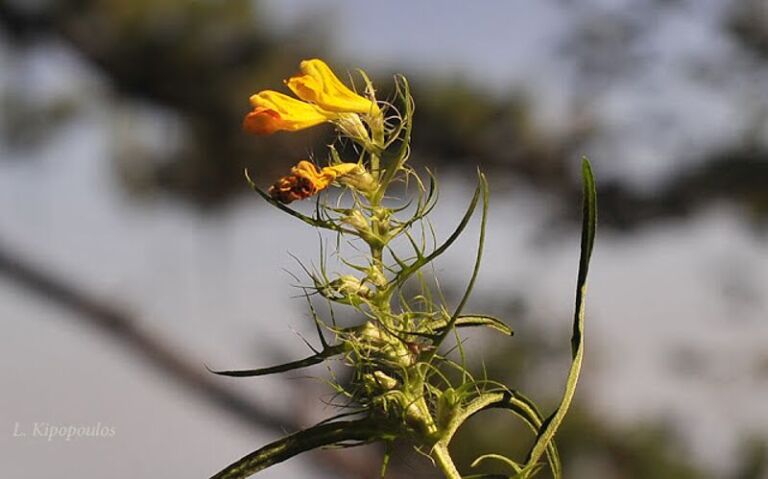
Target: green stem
point(444, 461)
point(375, 167)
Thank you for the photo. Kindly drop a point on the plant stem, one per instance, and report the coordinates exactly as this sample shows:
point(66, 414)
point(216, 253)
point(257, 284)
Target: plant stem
point(444, 461)
point(375, 167)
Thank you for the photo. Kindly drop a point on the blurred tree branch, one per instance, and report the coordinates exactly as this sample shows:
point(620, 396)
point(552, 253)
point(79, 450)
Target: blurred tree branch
point(155, 352)
point(198, 61)
point(160, 355)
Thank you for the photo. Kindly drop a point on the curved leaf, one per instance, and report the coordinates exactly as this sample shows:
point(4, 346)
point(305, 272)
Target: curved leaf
point(281, 368)
point(409, 270)
point(471, 320)
point(482, 187)
point(497, 457)
point(362, 431)
point(589, 223)
point(320, 223)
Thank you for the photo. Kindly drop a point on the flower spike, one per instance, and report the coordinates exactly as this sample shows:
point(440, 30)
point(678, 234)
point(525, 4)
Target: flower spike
point(400, 384)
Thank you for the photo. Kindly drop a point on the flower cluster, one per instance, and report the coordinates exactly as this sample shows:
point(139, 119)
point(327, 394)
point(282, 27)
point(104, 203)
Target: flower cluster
point(323, 98)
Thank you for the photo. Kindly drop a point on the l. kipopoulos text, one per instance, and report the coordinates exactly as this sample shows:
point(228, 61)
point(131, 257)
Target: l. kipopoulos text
point(66, 432)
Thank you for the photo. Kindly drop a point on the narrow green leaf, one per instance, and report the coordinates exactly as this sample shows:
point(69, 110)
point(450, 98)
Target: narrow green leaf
point(519, 405)
point(528, 471)
point(281, 368)
point(341, 432)
point(422, 210)
point(470, 320)
point(483, 188)
point(497, 457)
point(589, 223)
point(329, 225)
point(406, 272)
point(525, 409)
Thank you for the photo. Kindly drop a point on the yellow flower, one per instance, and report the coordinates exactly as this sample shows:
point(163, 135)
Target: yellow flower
point(274, 111)
point(306, 180)
point(319, 85)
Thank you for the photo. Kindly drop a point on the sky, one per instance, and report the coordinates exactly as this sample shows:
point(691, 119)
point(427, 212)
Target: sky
point(687, 87)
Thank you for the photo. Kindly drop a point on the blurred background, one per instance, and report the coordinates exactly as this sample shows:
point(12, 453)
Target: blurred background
point(132, 254)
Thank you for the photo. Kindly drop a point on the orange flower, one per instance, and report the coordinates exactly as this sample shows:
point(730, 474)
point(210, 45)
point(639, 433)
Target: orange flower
point(274, 111)
point(319, 85)
point(306, 180)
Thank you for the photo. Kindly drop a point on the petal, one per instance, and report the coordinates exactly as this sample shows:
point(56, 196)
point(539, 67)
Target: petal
point(306, 169)
point(343, 169)
point(318, 84)
point(262, 121)
point(275, 111)
point(306, 87)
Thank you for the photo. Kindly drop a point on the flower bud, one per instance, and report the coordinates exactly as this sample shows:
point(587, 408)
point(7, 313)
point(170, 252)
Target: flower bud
point(379, 381)
point(346, 288)
point(376, 277)
point(353, 175)
point(360, 180)
point(352, 126)
point(381, 219)
point(446, 407)
point(359, 223)
point(357, 220)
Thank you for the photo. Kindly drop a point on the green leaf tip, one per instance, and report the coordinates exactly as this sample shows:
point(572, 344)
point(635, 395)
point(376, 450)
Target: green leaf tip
point(469, 320)
point(589, 218)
